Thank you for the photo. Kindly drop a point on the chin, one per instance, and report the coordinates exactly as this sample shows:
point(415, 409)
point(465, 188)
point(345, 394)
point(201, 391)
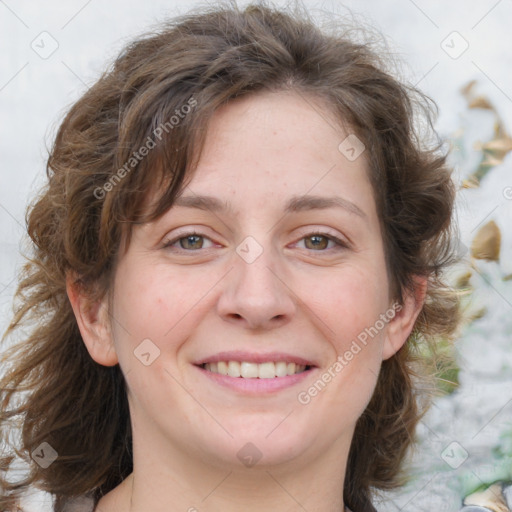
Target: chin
point(263, 440)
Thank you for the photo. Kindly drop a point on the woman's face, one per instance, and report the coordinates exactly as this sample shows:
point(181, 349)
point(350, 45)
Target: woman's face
point(270, 268)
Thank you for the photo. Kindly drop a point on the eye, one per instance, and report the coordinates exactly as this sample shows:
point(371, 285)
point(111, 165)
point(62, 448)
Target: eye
point(188, 242)
point(320, 241)
point(317, 241)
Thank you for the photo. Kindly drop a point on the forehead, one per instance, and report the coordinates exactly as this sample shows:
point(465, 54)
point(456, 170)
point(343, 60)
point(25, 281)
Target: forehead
point(275, 146)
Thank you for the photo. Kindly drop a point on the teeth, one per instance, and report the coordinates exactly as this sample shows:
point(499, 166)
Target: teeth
point(247, 370)
point(234, 369)
point(281, 369)
point(222, 368)
point(266, 370)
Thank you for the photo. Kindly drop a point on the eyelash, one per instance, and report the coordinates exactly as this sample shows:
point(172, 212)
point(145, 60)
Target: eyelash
point(341, 245)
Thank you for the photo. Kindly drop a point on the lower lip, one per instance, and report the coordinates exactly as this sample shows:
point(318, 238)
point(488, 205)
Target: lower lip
point(256, 386)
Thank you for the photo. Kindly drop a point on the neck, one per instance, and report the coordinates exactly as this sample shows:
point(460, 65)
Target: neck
point(194, 485)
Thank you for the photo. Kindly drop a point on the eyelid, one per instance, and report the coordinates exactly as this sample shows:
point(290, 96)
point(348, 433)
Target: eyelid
point(341, 243)
point(171, 240)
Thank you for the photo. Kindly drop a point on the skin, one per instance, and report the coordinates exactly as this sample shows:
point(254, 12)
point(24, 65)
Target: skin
point(300, 297)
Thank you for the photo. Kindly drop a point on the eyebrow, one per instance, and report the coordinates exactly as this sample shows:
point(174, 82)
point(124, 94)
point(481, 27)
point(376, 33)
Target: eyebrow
point(294, 204)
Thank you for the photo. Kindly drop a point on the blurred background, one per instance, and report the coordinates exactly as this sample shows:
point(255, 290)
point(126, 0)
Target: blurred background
point(459, 53)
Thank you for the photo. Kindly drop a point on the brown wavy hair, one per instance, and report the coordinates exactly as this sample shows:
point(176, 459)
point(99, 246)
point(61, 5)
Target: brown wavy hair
point(52, 389)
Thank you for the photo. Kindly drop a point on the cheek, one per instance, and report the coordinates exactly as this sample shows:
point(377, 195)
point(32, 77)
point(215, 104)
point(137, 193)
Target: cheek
point(348, 303)
point(152, 303)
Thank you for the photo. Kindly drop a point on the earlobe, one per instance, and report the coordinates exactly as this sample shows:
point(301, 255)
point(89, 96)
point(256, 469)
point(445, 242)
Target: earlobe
point(93, 322)
point(401, 325)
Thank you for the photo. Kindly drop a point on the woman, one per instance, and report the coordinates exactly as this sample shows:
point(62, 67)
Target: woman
point(239, 250)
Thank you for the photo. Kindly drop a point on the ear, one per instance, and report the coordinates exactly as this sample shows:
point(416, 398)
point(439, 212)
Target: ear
point(400, 326)
point(93, 322)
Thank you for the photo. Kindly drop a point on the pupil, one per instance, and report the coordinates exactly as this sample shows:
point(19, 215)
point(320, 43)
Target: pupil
point(193, 240)
point(318, 241)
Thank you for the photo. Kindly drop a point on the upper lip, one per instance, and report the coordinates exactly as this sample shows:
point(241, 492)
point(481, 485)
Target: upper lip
point(252, 357)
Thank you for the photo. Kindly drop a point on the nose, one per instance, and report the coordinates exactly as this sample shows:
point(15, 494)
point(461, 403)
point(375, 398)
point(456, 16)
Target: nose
point(255, 295)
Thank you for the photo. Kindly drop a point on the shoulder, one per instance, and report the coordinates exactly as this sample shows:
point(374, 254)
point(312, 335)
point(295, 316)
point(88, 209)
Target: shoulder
point(80, 504)
point(44, 502)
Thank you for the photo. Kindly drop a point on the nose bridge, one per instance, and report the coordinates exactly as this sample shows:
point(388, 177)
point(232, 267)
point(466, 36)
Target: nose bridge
point(254, 293)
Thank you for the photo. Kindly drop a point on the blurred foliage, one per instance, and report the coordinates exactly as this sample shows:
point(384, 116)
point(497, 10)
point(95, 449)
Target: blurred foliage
point(487, 242)
point(485, 245)
point(494, 150)
point(447, 370)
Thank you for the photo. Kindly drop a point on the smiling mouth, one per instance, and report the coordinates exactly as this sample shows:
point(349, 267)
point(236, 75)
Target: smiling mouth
point(246, 370)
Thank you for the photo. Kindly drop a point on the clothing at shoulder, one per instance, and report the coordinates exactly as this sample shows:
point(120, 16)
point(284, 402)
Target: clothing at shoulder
point(26, 503)
point(368, 508)
point(81, 504)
